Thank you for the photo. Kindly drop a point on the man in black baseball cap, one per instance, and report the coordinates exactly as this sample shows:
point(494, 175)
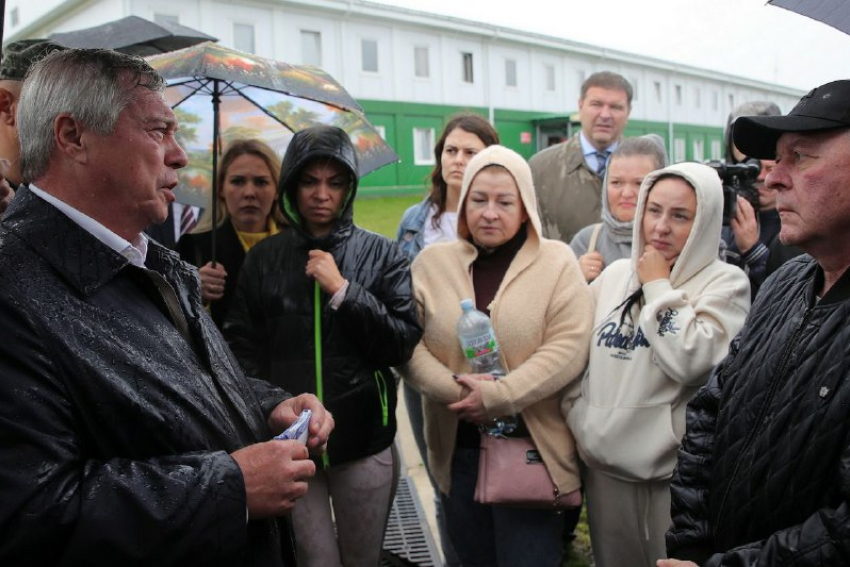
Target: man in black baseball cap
point(18, 57)
point(824, 108)
point(764, 469)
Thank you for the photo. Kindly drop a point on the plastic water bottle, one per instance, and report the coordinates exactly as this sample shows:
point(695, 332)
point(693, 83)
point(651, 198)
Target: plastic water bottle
point(481, 349)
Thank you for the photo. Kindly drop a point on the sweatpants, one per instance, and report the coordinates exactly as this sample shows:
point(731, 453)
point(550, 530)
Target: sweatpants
point(627, 520)
point(360, 493)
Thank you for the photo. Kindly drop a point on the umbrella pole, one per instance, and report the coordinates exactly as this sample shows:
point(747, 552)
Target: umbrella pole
point(216, 100)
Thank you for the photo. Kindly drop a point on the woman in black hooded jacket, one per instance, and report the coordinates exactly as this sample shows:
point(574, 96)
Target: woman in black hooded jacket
point(327, 308)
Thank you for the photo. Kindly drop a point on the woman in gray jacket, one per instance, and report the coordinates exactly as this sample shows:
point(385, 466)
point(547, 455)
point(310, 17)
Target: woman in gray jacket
point(600, 244)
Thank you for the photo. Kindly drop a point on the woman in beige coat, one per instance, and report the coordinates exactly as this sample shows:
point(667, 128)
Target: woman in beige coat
point(536, 296)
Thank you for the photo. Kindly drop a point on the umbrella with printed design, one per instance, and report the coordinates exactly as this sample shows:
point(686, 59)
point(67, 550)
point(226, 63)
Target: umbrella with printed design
point(221, 94)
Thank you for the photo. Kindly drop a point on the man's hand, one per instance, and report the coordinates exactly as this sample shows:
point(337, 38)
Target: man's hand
point(322, 268)
point(591, 265)
point(744, 225)
point(471, 407)
point(6, 195)
point(674, 563)
point(213, 280)
point(321, 422)
point(652, 265)
point(275, 475)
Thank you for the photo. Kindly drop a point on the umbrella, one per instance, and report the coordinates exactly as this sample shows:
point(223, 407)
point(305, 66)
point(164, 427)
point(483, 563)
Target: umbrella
point(133, 35)
point(220, 94)
point(835, 13)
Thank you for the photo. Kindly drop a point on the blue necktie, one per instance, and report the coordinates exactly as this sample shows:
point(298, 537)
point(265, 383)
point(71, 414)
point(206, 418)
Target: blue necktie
point(601, 163)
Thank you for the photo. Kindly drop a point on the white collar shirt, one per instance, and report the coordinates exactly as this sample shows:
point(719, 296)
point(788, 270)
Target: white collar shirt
point(135, 252)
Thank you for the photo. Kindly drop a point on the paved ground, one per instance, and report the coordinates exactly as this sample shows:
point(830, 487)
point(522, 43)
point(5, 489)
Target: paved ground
point(413, 466)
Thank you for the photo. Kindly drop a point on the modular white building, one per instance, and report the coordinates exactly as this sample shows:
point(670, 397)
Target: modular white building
point(411, 70)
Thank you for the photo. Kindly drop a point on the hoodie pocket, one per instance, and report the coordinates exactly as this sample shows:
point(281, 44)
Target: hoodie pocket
point(634, 444)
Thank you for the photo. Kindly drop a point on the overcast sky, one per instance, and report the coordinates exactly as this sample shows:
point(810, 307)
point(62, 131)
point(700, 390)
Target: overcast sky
point(743, 37)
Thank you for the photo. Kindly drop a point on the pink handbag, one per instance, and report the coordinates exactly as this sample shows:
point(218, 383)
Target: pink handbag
point(511, 473)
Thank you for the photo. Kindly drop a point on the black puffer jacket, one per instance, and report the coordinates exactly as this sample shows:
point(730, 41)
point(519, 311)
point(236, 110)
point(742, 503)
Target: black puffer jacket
point(278, 312)
point(764, 471)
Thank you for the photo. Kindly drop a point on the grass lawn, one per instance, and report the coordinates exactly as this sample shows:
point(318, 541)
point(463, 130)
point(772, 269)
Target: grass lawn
point(381, 214)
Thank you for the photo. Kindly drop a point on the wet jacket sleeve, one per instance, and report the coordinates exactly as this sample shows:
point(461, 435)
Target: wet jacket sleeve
point(245, 328)
point(689, 537)
point(690, 335)
point(382, 322)
point(822, 539)
point(63, 506)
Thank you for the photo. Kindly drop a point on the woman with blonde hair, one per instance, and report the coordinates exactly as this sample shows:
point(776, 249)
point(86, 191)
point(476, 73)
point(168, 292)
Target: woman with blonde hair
point(247, 182)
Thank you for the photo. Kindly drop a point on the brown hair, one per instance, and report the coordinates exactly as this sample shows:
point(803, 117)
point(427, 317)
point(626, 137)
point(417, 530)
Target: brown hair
point(256, 148)
point(468, 122)
point(609, 81)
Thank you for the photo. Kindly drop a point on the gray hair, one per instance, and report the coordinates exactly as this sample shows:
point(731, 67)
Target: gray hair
point(91, 85)
point(649, 145)
point(610, 81)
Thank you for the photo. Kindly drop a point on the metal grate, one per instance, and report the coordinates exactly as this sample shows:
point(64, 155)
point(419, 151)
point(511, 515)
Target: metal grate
point(408, 540)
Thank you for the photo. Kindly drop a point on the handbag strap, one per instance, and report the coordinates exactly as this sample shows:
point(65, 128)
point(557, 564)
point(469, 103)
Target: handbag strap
point(594, 236)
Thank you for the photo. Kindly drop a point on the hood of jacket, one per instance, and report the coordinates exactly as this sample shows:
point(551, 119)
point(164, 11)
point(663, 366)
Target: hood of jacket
point(701, 247)
point(519, 170)
point(327, 142)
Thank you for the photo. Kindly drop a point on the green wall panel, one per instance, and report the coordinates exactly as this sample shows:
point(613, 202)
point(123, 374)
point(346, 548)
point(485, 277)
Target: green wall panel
point(517, 130)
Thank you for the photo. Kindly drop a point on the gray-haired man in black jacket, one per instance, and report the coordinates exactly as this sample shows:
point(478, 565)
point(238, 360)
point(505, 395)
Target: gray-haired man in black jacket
point(764, 470)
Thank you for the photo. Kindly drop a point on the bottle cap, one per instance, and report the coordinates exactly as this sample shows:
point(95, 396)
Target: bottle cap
point(467, 304)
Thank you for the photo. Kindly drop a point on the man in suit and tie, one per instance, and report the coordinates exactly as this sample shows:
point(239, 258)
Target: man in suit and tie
point(568, 176)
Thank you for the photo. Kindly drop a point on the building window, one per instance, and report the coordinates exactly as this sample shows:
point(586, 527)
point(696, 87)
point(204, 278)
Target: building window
point(697, 98)
point(677, 89)
point(466, 58)
point(679, 150)
point(421, 65)
point(15, 16)
point(699, 150)
point(634, 83)
point(715, 149)
point(311, 48)
point(715, 100)
point(582, 75)
point(423, 146)
point(510, 73)
point(243, 37)
point(658, 97)
point(731, 101)
point(550, 77)
point(166, 19)
point(369, 55)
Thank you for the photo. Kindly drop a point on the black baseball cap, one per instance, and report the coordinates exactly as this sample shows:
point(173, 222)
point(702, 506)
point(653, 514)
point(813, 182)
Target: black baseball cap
point(824, 108)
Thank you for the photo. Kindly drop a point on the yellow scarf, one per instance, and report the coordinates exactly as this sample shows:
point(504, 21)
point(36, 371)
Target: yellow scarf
point(250, 239)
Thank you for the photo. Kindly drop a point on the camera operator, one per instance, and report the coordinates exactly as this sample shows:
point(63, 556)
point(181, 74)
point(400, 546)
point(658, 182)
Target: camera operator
point(752, 237)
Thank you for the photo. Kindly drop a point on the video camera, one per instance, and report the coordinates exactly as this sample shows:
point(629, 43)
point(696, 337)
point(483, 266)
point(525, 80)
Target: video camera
point(737, 179)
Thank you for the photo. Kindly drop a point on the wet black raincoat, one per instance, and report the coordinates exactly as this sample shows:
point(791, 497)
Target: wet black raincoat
point(115, 426)
point(282, 329)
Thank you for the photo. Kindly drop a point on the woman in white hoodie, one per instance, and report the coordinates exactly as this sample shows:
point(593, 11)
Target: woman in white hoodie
point(662, 320)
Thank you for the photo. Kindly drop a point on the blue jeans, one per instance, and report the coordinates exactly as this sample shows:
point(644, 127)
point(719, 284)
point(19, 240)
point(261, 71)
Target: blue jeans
point(497, 536)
